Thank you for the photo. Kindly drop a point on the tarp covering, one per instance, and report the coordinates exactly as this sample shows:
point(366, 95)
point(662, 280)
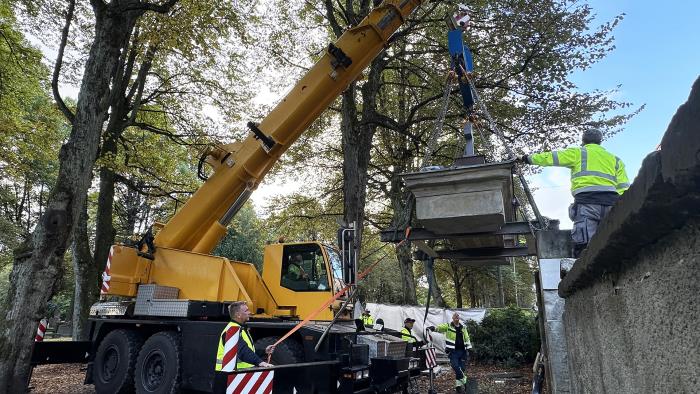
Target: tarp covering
point(394, 315)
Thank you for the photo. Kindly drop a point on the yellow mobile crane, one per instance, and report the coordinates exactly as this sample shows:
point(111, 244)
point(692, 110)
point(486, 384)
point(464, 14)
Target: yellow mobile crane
point(162, 333)
point(179, 257)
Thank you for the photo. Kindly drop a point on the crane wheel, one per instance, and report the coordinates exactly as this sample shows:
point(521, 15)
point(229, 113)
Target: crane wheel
point(287, 352)
point(115, 360)
point(159, 365)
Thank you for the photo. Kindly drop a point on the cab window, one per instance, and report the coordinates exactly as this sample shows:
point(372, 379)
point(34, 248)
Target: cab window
point(337, 268)
point(304, 268)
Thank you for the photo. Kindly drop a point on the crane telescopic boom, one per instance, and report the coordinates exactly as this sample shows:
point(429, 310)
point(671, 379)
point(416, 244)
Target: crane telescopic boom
point(240, 167)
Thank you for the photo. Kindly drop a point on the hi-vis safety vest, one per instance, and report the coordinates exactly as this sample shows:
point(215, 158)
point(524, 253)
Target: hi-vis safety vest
point(451, 335)
point(367, 320)
point(220, 352)
point(407, 336)
point(593, 169)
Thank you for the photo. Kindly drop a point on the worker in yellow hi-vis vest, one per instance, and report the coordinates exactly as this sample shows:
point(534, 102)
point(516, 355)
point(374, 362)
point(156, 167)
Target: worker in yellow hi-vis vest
point(406, 331)
point(245, 354)
point(457, 347)
point(367, 319)
point(598, 178)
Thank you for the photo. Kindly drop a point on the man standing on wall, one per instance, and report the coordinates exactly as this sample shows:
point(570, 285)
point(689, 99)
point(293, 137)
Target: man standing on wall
point(598, 178)
point(457, 343)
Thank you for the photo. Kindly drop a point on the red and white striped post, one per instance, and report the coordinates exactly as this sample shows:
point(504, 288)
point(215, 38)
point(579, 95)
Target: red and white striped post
point(233, 335)
point(250, 382)
point(430, 356)
point(40, 331)
point(106, 275)
point(245, 382)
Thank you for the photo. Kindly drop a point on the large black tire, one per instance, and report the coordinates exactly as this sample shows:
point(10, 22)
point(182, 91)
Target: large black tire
point(287, 352)
point(113, 368)
point(158, 368)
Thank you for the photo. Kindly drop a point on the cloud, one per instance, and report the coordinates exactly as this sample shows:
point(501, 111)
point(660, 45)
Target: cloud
point(552, 194)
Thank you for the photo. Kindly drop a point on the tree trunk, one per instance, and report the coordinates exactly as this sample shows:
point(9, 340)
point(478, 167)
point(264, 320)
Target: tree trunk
point(436, 293)
point(472, 292)
point(354, 191)
point(501, 295)
point(86, 278)
point(458, 286)
point(132, 207)
point(104, 225)
point(37, 267)
point(357, 137)
point(408, 281)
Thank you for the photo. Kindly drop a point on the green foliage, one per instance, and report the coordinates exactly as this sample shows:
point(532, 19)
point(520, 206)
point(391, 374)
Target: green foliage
point(383, 284)
point(245, 238)
point(298, 217)
point(478, 286)
point(31, 133)
point(505, 336)
point(4, 282)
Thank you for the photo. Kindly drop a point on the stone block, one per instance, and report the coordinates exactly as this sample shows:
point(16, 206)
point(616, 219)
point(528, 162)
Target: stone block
point(463, 200)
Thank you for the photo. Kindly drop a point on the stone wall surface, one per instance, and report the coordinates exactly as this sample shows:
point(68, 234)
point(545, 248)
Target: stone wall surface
point(632, 318)
point(639, 331)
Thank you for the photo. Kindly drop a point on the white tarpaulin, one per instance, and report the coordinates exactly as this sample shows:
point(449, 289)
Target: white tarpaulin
point(394, 315)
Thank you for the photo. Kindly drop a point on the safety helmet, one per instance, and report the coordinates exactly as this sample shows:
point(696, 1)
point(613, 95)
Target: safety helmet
point(592, 136)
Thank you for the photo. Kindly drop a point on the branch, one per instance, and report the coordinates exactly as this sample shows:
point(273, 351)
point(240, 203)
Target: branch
point(59, 62)
point(133, 52)
point(337, 29)
point(159, 8)
point(141, 81)
point(141, 189)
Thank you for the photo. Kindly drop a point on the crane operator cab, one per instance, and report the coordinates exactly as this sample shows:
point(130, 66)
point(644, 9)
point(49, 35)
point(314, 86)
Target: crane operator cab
point(305, 270)
point(304, 275)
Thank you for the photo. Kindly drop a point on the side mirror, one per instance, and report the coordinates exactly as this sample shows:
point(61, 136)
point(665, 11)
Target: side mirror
point(346, 245)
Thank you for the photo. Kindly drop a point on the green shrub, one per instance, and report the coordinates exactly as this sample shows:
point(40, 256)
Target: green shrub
point(505, 336)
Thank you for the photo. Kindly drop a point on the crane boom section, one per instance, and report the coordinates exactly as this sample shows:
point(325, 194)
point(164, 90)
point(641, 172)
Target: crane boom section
point(201, 222)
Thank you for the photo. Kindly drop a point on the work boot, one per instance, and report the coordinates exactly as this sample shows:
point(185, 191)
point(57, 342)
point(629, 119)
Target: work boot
point(460, 390)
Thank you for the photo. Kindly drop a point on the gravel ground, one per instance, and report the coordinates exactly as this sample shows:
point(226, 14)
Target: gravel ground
point(60, 379)
point(68, 379)
point(489, 380)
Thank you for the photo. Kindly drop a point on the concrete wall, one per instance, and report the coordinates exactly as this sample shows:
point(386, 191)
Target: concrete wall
point(639, 331)
point(632, 314)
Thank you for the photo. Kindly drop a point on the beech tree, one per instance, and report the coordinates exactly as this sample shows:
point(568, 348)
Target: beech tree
point(36, 270)
point(174, 68)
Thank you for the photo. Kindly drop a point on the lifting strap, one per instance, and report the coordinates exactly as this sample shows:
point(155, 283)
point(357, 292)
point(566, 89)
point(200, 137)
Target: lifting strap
point(511, 154)
point(439, 121)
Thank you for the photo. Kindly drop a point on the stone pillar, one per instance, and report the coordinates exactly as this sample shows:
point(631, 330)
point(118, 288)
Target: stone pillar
point(553, 248)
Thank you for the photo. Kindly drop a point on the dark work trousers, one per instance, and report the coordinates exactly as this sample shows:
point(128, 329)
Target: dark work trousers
point(586, 218)
point(458, 362)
